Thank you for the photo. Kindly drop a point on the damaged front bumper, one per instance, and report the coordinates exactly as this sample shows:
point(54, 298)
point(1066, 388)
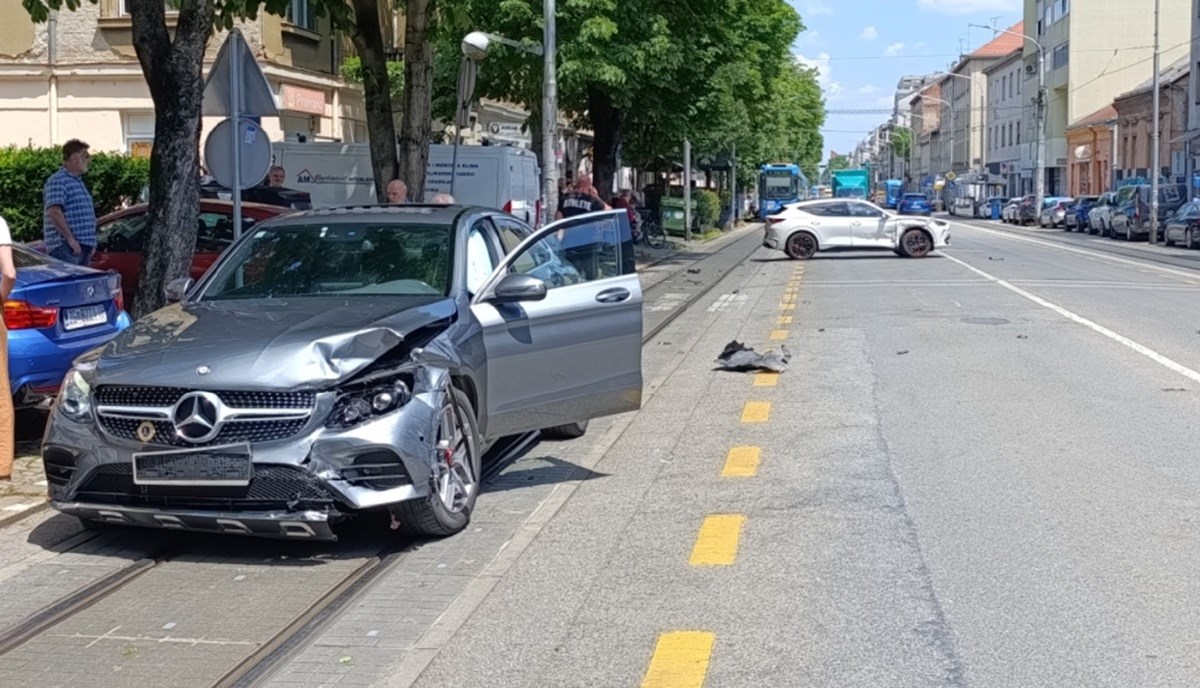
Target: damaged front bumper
point(299, 486)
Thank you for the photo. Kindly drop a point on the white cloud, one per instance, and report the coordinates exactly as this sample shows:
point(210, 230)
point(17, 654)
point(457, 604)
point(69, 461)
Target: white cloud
point(815, 8)
point(869, 34)
point(809, 39)
point(969, 6)
point(894, 49)
point(868, 90)
point(831, 88)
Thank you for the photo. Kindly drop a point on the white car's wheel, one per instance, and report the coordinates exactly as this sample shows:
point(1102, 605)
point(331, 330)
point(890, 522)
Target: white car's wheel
point(915, 243)
point(800, 246)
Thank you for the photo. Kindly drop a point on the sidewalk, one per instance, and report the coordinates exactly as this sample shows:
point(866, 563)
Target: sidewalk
point(28, 487)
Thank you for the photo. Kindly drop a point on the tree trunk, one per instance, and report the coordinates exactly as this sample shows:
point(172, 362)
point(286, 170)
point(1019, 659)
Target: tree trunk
point(606, 125)
point(416, 126)
point(173, 71)
point(377, 96)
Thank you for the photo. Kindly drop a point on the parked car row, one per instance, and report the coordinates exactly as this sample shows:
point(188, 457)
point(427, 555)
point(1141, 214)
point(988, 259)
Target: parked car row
point(1121, 214)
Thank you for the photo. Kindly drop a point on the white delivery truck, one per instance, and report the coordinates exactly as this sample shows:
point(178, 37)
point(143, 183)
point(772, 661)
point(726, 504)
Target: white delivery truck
point(504, 177)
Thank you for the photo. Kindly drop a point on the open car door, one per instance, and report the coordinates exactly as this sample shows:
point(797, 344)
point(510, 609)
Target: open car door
point(562, 326)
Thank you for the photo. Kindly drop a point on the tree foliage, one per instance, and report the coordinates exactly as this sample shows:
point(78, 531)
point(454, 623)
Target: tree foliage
point(644, 75)
point(901, 141)
point(837, 162)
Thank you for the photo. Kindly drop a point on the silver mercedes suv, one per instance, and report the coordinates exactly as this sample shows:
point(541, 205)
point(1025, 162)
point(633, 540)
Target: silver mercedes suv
point(347, 359)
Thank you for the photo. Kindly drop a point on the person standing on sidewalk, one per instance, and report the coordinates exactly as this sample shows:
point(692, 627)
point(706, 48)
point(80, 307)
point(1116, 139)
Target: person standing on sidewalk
point(69, 226)
point(8, 279)
point(582, 199)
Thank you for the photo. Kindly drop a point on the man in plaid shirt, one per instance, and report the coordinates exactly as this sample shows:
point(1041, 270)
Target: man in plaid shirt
point(69, 227)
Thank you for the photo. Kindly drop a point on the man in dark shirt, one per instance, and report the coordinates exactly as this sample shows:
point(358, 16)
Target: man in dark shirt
point(583, 199)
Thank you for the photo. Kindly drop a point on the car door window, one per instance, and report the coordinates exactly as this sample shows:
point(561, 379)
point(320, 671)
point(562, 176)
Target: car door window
point(215, 231)
point(481, 258)
point(123, 235)
point(863, 210)
point(511, 232)
point(577, 253)
point(828, 210)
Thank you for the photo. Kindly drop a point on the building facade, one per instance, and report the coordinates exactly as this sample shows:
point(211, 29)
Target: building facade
point(928, 151)
point(77, 76)
point(1092, 51)
point(967, 90)
point(1090, 144)
point(1135, 126)
point(1004, 122)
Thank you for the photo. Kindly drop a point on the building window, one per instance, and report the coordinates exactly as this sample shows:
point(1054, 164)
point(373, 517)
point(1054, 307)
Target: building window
point(138, 130)
point(300, 14)
point(1018, 141)
point(172, 7)
point(1003, 86)
point(1061, 53)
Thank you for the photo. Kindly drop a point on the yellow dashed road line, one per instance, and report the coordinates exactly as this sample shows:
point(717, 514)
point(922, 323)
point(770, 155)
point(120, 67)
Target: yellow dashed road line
point(776, 335)
point(680, 660)
point(766, 379)
point(756, 412)
point(742, 462)
point(784, 320)
point(717, 543)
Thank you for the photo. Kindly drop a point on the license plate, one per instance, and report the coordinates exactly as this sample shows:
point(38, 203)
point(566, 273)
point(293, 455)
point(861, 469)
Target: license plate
point(227, 466)
point(84, 316)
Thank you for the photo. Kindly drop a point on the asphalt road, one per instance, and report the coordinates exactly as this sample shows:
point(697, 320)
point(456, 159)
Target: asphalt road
point(979, 471)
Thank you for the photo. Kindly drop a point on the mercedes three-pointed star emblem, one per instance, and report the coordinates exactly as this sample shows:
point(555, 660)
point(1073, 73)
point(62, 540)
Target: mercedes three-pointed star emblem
point(197, 416)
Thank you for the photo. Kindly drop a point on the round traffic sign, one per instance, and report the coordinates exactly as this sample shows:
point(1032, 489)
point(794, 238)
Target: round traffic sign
point(254, 151)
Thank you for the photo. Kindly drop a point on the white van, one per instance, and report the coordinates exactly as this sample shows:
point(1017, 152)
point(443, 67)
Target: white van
point(504, 177)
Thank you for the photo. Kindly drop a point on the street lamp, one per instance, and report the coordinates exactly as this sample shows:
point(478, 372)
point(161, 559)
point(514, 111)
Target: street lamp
point(1155, 155)
point(1040, 181)
point(474, 47)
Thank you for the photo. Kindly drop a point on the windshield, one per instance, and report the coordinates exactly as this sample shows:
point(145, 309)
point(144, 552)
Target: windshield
point(914, 197)
point(351, 259)
point(778, 186)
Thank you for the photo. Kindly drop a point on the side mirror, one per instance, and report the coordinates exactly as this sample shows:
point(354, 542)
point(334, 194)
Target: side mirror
point(177, 289)
point(515, 288)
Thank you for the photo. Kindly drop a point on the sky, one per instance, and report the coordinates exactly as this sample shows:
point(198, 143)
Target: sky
point(862, 48)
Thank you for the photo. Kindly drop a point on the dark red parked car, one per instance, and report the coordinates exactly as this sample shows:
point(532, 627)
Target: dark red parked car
point(120, 237)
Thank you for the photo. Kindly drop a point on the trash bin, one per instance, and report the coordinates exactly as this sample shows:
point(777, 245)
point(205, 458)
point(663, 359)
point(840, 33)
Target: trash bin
point(997, 204)
point(672, 215)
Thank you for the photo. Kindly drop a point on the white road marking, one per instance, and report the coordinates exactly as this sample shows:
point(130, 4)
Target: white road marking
point(668, 302)
point(1189, 274)
point(724, 301)
point(1074, 317)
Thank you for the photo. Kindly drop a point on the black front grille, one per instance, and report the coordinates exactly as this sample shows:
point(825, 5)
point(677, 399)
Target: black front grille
point(59, 465)
point(378, 470)
point(127, 395)
point(233, 431)
point(272, 487)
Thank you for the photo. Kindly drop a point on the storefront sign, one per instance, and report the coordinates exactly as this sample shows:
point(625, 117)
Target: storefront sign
point(141, 149)
point(304, 100)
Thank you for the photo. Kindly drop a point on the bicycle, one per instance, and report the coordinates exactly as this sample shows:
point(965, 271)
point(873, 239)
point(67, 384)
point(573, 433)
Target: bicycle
point(648, 230)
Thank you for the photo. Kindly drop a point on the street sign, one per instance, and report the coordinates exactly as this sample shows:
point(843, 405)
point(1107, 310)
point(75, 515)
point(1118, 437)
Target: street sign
point(950, 176)
point(254, 154)
point(236, 88)
point(257, 99)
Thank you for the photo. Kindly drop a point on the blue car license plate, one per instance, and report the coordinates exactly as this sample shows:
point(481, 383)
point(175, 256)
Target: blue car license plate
point(226, 466)
point(84, 316)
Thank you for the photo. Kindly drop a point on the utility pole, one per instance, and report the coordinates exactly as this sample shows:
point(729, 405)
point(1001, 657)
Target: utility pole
point(1155, 154)
point(549, 115)
point(687, 190)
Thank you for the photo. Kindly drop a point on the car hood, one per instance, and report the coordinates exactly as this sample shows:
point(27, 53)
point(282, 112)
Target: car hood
point(267, 344)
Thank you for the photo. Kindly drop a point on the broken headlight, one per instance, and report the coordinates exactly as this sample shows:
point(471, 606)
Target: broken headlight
point(362, 403)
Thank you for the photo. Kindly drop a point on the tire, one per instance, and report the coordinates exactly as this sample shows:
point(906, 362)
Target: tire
point(655, 236)
point(915, 243)
point(800, 246)
point(569, 431)
point(455, 482)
